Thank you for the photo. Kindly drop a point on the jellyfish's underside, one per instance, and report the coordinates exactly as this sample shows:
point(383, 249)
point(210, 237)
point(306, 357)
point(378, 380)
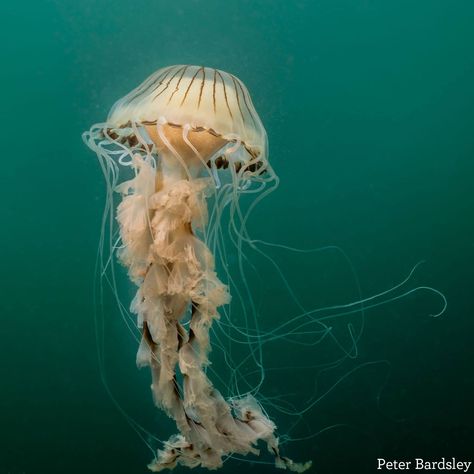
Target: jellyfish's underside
point(174, 131)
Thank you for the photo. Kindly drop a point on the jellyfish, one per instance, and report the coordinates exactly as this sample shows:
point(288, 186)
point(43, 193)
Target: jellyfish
point(176, 137)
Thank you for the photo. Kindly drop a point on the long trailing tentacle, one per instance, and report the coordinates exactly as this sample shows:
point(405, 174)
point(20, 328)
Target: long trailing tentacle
point(174, 271)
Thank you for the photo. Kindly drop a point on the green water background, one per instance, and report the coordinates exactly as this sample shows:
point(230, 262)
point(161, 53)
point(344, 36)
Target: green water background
point(369, 111)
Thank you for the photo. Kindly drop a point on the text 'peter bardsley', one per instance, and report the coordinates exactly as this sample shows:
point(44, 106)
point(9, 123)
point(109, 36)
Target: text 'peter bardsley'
point(444, 464)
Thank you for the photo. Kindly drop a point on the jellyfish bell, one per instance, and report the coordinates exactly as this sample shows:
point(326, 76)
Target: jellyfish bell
point(193, 116)
point(177, 131)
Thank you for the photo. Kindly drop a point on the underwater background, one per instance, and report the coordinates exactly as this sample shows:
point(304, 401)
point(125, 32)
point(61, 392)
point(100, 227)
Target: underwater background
point(369, 109)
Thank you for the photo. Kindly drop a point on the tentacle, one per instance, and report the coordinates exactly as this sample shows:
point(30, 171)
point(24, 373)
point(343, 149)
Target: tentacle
point(175, 275)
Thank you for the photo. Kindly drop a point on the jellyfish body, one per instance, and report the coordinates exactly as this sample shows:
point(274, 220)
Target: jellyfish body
point(175, 131)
